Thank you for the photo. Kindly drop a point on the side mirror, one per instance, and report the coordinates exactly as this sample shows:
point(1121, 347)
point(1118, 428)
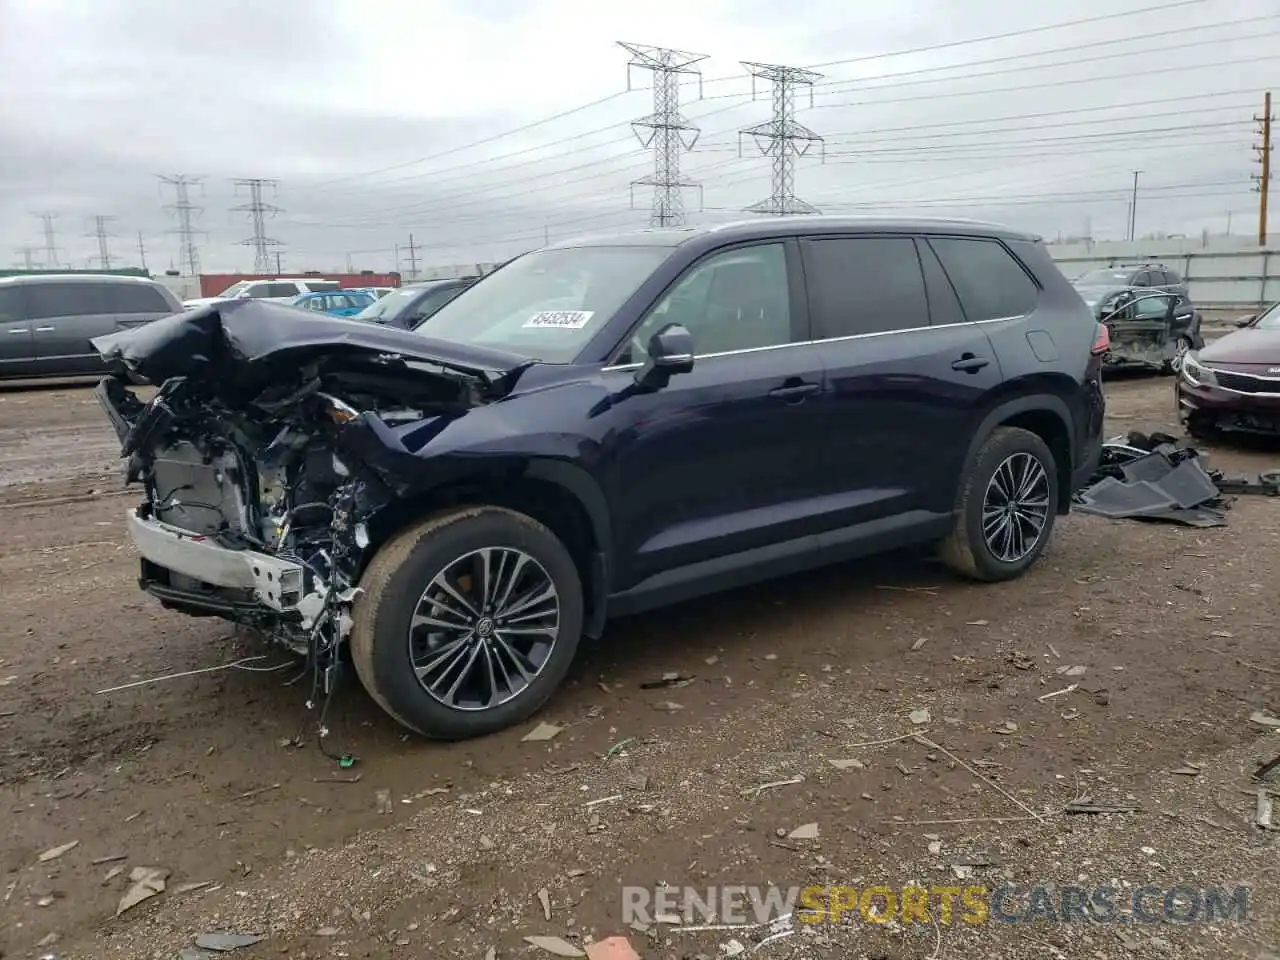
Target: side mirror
point(670, 352)
point(1246, 321)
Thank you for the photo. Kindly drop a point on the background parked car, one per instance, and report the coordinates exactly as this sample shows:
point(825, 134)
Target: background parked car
point(282, 289)
point(1096, 285)
point(340, 303)
point(378, 292)
point(410, 305)
point(47, 320)
point(1233, 384)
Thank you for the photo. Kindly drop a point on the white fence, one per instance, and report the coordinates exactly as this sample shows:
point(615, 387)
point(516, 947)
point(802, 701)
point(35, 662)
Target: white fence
point(1226, 276)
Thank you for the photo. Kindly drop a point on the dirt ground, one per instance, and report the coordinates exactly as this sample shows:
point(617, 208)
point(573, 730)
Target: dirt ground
point(427, 850)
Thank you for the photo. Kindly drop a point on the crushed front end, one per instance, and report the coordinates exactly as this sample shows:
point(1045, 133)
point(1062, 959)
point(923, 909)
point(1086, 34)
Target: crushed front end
point(271, 446)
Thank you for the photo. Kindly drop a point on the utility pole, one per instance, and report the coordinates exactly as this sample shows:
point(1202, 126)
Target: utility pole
point(665, 130)
point(783, 138)
point(1263, 179)
point(28, 257)
point(279, 269)
point(99, 232)
point(1133, 208)
point(413, 259)
point(188, 256)
point(258, 211)
point(50, 241)
point(142, 253)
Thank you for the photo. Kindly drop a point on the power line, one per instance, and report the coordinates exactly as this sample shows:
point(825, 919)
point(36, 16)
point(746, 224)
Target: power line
point(50, 239)
point(186, 213)
point(783, 138)
point(99, 231)
point(258, 211)
point(142, 253)
point(1159, 10)
point(1263, 178)
point(669, 133)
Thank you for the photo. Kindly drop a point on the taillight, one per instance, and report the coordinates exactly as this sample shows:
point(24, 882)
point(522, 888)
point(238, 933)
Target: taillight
point(1101, 340)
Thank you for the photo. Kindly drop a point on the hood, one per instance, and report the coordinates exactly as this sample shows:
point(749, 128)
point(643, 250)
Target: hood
point(200, 302)
point(1245, 346)
point(241, 341)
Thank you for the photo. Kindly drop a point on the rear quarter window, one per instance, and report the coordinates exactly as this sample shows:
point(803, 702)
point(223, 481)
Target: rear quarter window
point(989, 281)
point(10, 304)
point(136, 298)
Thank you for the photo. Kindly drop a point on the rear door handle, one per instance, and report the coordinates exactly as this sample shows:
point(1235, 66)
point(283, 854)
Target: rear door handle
point(970, 363)
point(44, 329)
point(795, 391)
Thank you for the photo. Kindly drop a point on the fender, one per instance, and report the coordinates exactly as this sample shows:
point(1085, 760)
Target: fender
point(1037, 403)
point(583, 487)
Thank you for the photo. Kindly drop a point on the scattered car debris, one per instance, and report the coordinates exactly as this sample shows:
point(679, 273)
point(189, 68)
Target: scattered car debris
point(732, 948)
point(757, 790)
point(1153, 478)
point(1264, 719)
point(919, 643)
point(58, 851)
point(847, 764)
point(668, 680)
point(147, 883)
point(226, 942)
point(1056, 693)
point(544, 898)
point(667, 706)
point(920, 716)
point(555, 945)
point(1265, 771)
point(543, 731)
point(807, 831)
point(1262, 816)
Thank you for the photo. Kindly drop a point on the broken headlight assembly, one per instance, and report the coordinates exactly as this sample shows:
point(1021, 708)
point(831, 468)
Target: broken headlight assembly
point(1196, 373)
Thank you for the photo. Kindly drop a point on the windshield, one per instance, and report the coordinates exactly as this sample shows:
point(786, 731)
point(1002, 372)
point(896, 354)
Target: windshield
point(235, 288)
point(1103, 278)
point(1269, 319)
point(547, 304)
point(390, 306)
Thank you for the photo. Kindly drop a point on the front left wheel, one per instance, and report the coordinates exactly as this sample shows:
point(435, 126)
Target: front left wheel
point(468, 622)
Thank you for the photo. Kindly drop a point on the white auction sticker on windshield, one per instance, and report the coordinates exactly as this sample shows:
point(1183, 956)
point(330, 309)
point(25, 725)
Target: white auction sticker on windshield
point(567, 319)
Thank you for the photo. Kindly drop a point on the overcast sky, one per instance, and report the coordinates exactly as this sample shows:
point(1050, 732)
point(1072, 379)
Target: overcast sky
point(385, 118)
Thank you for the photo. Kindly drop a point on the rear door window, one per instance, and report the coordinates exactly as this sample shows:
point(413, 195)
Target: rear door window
point(10, 304)
point(281, 290)
point(136, 298)
point(990, 282)
point(861, 285)
point(46, 300)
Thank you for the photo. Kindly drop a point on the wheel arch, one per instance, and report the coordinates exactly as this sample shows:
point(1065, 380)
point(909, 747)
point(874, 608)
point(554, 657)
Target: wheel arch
point(1048, 417)
point(561, 496)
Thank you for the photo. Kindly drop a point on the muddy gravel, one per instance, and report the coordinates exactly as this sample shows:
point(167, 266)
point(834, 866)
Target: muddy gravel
point(1165, 636)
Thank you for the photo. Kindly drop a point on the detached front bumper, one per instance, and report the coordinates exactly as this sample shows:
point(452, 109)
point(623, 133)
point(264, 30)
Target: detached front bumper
point(276, 583)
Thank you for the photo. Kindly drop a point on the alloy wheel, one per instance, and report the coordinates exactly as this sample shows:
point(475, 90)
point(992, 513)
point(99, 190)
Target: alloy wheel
point(484, 628)
point(1180, 350)
point(1015, 507)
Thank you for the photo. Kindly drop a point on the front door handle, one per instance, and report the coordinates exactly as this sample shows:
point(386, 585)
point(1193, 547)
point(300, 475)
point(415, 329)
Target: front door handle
point(795, 391)
point(18, 330)
point(970, 363)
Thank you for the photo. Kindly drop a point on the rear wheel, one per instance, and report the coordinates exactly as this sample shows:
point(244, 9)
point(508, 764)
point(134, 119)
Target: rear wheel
point(468, 623)
point(1007, 507)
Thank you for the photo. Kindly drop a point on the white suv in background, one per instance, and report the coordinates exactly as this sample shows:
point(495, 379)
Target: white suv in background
point(279, 289)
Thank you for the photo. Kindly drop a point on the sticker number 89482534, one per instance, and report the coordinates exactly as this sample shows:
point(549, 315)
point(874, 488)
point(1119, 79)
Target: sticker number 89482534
point(566, 319)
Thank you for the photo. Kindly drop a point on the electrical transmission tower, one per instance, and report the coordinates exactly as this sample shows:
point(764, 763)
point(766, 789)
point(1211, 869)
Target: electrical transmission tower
point(258, 211)
point(186, 212)
point(783, 138)
point(50, 240)
point(104, 247)
point(28, 257)
point(1263, 178)
point(665, 130)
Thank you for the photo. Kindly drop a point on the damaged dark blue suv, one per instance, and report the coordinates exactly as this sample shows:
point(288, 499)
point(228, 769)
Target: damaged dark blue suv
point(600, 427)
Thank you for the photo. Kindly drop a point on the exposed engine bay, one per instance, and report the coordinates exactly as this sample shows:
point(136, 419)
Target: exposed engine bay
point(268, 464)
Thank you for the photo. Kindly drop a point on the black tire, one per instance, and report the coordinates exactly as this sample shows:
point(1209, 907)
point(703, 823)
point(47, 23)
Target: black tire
point(966, 550)
point(393, 584)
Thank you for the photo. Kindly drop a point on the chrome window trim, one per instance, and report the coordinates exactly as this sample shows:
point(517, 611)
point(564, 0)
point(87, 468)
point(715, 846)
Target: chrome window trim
point(809, 343)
